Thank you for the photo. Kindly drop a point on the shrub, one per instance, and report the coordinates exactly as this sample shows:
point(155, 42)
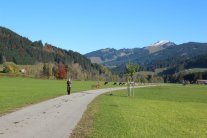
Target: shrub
point(10, 68)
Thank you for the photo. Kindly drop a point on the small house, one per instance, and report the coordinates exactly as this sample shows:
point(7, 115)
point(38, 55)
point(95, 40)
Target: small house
point(201, 81)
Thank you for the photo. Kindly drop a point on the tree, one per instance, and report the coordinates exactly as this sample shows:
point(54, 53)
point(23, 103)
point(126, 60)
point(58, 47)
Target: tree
point(48, 69)
point(150, 78)
point(200, 75)
point(2, 59)
point(45, 70)
point(55, 70)
point(131, 70)
point(10, 68)
point(61, 71)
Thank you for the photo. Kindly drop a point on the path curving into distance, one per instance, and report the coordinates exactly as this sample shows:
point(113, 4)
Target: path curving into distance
point(54, 118)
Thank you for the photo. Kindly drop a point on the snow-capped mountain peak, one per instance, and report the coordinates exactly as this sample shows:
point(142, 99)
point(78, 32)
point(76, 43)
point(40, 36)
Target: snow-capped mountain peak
point(160, 43)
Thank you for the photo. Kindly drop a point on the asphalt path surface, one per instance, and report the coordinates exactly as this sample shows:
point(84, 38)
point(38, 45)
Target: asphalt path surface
point(54, 118)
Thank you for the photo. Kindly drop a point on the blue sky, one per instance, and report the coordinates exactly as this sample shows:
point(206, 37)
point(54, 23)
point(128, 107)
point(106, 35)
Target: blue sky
point(88, 25)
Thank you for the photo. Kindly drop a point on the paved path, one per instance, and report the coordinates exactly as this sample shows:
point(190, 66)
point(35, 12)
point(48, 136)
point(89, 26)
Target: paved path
point(55, 118)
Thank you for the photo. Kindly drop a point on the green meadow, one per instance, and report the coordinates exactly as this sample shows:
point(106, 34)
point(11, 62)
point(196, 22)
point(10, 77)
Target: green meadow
point(18, 92)
point(173, 111)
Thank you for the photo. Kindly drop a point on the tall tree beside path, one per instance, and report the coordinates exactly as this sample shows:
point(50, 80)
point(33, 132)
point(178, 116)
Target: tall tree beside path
point(131, 69)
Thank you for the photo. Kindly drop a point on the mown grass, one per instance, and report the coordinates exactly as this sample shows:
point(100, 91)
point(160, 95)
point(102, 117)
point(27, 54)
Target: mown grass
point(159, 112)
point(18, 92)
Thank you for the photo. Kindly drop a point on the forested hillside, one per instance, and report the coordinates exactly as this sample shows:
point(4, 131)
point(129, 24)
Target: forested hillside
point(22, 51)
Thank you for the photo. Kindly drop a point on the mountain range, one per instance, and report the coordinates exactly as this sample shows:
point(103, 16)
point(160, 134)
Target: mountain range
point(165, 55)
point(159, 52)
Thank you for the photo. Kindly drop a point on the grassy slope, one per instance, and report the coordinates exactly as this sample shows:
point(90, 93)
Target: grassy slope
point(19, 92)
point(169, 111)
point(193, 70)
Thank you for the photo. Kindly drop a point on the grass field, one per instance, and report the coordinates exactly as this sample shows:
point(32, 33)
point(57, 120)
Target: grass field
point(19, 92)
point(159, 112)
